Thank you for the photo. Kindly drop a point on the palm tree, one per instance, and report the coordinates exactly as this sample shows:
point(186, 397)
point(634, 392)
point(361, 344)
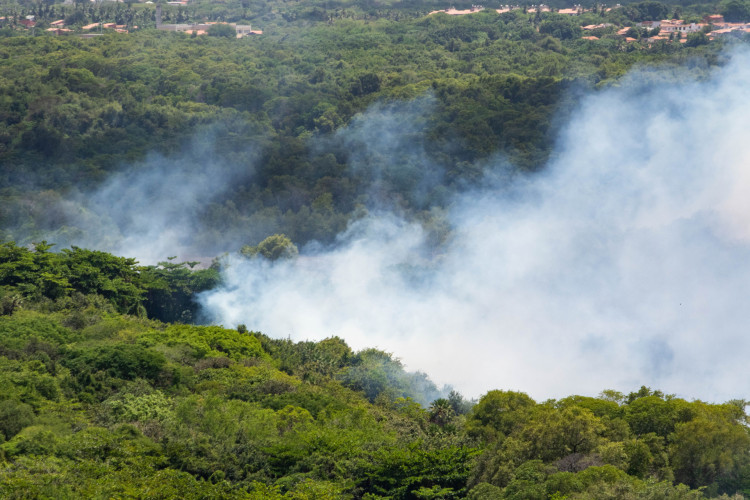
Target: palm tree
point(441, 412)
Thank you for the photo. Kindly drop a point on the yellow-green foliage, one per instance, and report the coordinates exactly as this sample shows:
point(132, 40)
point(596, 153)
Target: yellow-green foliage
point(104, 405)
point(206, 341)
point(124, 328)
point(17, 330)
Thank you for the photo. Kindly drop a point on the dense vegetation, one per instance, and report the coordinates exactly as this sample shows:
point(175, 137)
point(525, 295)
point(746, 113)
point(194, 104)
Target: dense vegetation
point(165, 291)
point(101, 404)
point(109, 387)
point(283, 111)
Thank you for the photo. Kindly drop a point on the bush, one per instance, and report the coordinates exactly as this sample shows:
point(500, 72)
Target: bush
point(221, 29)
point(14, 416)
point(125, 361)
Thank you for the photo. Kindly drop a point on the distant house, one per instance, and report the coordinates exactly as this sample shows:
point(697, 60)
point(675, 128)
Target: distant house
point(731, 30)
point(57, 24)
point(59, 31)
point(90, 26)
point(27, 23)
point(677, 26)
point(649, 24)
point(455, 12)
point(590, 27)
point(244, 30)
point(714, 19)
point(241, 30)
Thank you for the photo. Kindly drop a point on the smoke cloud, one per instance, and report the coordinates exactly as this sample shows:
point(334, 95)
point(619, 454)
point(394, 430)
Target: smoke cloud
point(626, 262)
point(152, 209)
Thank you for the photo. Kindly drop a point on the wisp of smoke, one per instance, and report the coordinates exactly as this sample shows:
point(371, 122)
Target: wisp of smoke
point(152, 209)
point(626, 263)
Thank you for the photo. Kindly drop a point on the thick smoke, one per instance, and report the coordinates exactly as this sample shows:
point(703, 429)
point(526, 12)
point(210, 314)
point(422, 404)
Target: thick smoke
point(386, 148)
point(626, 263)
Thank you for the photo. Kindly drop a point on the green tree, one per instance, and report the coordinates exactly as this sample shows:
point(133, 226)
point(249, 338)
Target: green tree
point(704, 451)
point(274, 247)
point(499, 413)
point(222, 30)
point(441, 412)
point(735, 11)
point(561, 27)
point(554, 434)
point(696, 39)
point(14, 416)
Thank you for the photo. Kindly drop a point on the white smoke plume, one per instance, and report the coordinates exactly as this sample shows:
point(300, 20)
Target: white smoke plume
point(627, 262)
point(152, 209)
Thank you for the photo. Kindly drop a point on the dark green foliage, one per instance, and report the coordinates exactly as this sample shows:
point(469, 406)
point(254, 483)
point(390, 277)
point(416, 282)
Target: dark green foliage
point(646, 11)
point(366, 84)
point(124, 361)
point(99, 402)
point(14, 416)
point(41, 273)
point(560, 27)
point(410, 472)
point(696, 39)
point(73, 111)
point(171, 290)
point(736, 11)
point(223, 30)
point(165, 292)
point(99, 273)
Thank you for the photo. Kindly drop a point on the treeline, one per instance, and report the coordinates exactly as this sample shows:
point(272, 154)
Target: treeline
point(73, 278)
point(100, 404)
point(484, 89)
point(136, 15)
point(612, 446)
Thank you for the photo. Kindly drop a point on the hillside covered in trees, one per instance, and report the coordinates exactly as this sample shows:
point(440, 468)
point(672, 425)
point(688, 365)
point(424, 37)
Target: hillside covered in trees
point(279, 116)
point(111, 385)
point(99, 403)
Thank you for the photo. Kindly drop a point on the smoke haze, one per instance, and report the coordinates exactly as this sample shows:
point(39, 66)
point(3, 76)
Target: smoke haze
point(152, 209)
point(626, 262)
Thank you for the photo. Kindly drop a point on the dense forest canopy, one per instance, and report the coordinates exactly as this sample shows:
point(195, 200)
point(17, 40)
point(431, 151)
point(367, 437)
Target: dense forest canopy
point(100, 404)
point(153, 143)
point(264, 111)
